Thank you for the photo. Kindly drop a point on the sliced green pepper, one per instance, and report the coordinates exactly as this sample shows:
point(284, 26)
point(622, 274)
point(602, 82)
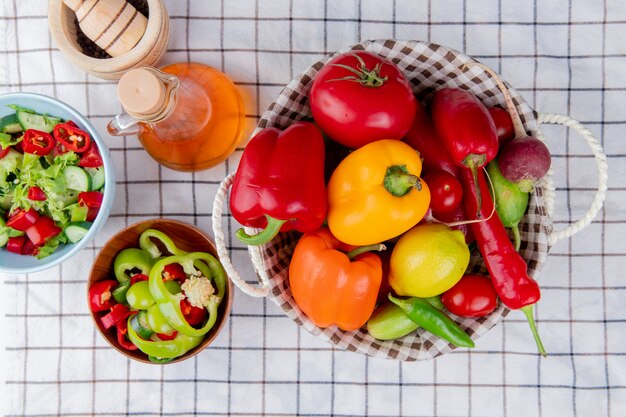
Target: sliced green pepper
point(151, 248)
point(168, 349)
point(169, 304)
point(129, 259)
point(120, 292)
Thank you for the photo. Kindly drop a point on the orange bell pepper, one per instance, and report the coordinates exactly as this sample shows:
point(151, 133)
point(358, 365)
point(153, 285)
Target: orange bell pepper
point(329, 286)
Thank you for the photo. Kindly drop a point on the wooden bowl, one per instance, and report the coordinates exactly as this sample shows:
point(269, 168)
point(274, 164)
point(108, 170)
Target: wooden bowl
point(186, 237)
point(147, 52)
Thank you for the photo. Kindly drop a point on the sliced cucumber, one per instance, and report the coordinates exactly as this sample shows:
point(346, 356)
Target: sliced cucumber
point(10, 124)
point(77, 230)
point(4, 238)
point(97, 177)
point(76, 178)
point(36, 121)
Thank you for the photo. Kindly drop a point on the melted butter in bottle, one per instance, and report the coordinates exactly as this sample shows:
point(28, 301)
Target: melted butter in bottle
point(195, 127)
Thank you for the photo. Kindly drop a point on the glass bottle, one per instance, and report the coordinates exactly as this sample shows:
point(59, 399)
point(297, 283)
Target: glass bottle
point(188, 116)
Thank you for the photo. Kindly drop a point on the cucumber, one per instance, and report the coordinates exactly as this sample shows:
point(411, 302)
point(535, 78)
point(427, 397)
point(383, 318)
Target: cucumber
point(4, 238)
point(76, 231)
point(97, 177)
point(10, 124)
point(76, 178)
point(36, 121)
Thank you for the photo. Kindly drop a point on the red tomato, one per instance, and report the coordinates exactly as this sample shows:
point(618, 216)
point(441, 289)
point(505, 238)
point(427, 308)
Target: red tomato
point(457, 215)
point(472, 296)
point(446, 192)
point(504, 124)
point(91, 157)
point(359, 97)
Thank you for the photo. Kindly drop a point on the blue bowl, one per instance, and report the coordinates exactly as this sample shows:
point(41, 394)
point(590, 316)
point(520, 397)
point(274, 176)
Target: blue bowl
point(21, 264)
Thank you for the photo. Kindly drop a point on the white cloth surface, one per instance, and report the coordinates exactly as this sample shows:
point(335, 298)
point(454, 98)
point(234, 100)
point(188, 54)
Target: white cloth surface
point(563, 57)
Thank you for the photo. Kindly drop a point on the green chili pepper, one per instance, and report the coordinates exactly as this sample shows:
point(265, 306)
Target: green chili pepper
point(138, 296)
point(129, 259)
point(119, 294)
point(153, 250)
point(159, 360)
point(169, 304)
point(389, 322)
point(167, 349)
point(422, 312)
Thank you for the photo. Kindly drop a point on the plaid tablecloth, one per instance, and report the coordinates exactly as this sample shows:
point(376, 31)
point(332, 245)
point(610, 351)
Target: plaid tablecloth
point(566, 57)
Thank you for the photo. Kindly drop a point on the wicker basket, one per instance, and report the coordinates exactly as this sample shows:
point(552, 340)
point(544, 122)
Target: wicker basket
point(428, 67)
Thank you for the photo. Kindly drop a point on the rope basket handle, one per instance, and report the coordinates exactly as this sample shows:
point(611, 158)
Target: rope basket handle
point(255, 252)
point(600, 157)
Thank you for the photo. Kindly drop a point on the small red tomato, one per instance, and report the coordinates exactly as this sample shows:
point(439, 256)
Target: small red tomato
point(446, 192)
point(359, 97)
point(504, 124)
point(472, 296)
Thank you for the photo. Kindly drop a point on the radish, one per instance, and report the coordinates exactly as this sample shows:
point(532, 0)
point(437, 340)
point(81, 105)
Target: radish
point(525, 159)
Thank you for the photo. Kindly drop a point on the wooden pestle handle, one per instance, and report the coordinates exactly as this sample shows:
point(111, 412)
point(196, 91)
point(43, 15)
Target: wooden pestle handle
point(114, 25)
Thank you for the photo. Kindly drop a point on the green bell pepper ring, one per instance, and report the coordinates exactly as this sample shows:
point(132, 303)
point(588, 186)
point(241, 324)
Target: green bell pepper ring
point(129, 259)
point(168, 349)
point(148, 246)
point(169, 304)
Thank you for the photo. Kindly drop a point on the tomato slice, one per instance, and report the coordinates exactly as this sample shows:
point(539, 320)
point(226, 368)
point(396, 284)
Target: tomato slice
point(22, 219)
point(91, 158)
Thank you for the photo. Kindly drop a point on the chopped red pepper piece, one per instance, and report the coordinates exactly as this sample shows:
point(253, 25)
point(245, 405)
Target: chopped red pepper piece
point(91, 199)
point(37, 142)
point(72, 137)
point(91, 158)
point(36, 194)
point(15, 244)
point(4, 151)
point(100, 297)
point(22, 219)
point(167, 336)
point(118, 312)
point(92, 213)
point(193, 315)
point(138, 277)
point(122, 330)
point(29, 248)
point(43, 230)
point(174, 271)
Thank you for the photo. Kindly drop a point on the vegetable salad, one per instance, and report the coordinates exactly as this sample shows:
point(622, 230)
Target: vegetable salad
point(51, 182)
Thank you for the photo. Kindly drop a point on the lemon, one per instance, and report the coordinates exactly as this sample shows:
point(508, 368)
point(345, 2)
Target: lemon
point(428, 260)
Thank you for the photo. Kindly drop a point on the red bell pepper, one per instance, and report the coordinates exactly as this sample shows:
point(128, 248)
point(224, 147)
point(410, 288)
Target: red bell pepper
point(72, 137)
point(92, 213)
point(4, 151)
point(100, 295)
point(15, 244)
point(36, 194)
point(21, 219)
point(91, 199)
point(507, 268)
point(91, 157)
point(122, 330)
point(37, 142)
point(43, 230)
point(279, 185)
point(29, 248)
point(466, 129)
point(118, 312)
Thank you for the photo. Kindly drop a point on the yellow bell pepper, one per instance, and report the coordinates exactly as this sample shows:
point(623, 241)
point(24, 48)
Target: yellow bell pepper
point(375, 193)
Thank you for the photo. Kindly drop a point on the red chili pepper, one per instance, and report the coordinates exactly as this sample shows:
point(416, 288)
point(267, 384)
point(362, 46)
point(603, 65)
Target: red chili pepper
point(15, 244)
point(118, 312)
point(194, 315)
point(43, 230)
point(21, 219)
point(37, 142)
point(100, 297)
point(72, 137)
point(59, 149)
point(279, 185)
point(507, 268)
point(91, 157)
point(173, 271)
point(36, 194)
point(138, 277)
point(122, 329)
point(466, 129)
point(167, 336)
point(91, 199)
